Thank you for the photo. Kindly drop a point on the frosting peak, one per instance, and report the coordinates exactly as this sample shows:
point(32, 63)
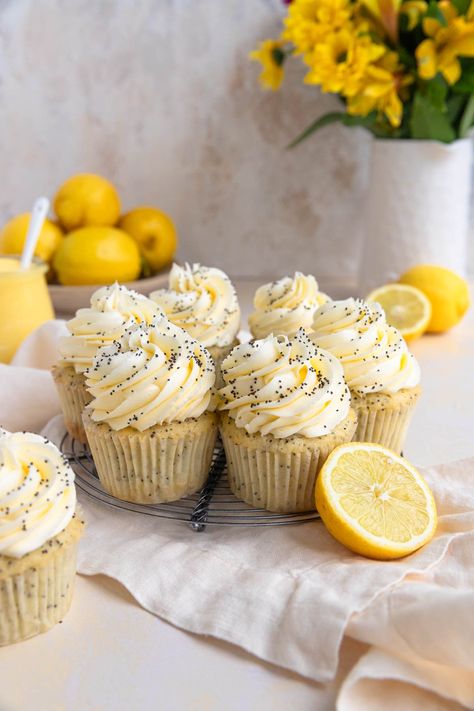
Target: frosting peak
point(284, 387)
point(113, 309)
point(153, 375)
point(285, 305)
point(374, 355)
point(203, 302)
point(37, 493)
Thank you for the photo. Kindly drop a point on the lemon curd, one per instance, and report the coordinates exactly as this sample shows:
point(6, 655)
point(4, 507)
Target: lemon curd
point(24, 303)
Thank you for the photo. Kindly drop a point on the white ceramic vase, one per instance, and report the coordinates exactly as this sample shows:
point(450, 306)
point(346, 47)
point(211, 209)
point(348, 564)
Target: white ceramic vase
point(417, 208)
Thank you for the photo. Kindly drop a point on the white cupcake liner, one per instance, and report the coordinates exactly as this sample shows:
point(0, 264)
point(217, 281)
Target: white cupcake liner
point(73, 396)
point(278, 475)
point(37, 598)
point(387, 425)
point(161, 464)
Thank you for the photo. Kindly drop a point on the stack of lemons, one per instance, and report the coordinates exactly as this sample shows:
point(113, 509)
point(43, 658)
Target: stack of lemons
point(91, 243)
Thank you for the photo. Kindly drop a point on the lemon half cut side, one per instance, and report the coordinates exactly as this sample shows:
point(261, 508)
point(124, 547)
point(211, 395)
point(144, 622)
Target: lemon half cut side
point(374, 502)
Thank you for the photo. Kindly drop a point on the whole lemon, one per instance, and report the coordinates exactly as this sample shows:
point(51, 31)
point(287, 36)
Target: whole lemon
point(155, 234)
point(86, 199)
point(446, 290)
point(13, 235)
point(97, 255)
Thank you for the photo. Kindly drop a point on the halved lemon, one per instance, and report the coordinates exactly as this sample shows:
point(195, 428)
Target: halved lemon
point(375, 502)
point(406, 307)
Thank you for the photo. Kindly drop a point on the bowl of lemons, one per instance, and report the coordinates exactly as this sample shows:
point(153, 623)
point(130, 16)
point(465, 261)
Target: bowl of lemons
point(89, 242)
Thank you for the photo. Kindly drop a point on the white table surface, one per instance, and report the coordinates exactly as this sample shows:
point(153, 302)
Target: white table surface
point(111, 655)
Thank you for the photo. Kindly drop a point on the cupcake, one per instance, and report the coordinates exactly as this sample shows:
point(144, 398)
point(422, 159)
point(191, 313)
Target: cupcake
point(286, 305)
point(284, 408)
point(382, 374)
point(203, 302)
point(148, 425)
point(39, 532)
point(113, 309)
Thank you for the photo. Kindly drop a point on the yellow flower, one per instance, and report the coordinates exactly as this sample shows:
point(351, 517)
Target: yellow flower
point(339, 63)
point(381, 88)
point(386, 13)
point(271, 57)
point(440, 52)
point(309, 21)
point(414, 10)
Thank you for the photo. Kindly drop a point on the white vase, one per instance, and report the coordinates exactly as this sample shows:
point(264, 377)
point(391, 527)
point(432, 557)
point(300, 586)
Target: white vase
point(417, 208)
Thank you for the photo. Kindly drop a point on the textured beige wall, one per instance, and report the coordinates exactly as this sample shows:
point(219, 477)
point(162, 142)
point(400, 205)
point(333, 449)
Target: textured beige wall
point(159, 95)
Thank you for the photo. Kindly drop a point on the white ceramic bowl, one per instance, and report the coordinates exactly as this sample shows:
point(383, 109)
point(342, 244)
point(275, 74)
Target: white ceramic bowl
point(67, 299)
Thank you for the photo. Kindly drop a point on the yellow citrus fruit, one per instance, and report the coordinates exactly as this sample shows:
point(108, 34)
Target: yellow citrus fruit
point(97, 255)
point(86, 199)
point(447, 291)
point(405, 307)
point(155, 234)
point(375, 502)
point(13, 235)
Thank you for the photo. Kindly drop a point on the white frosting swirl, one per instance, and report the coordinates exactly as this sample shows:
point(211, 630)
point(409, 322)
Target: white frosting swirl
point(154, 375)
point(113, 309)
point(203, 302)
point(284, 387)
point(374, 355)
point(285, 305)
point(37, 493)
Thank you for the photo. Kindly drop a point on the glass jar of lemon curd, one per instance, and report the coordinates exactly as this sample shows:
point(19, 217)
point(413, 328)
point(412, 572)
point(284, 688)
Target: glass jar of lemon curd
point(24, 302)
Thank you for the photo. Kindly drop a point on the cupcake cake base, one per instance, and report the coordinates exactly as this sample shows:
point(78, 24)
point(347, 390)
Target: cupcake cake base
point(384, 418)
point(73, 396)
point(278, 474)
point(163, 463)
point(36, 590)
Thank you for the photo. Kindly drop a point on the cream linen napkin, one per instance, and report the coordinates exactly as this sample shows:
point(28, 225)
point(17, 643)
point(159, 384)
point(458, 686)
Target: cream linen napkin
point(290, 594)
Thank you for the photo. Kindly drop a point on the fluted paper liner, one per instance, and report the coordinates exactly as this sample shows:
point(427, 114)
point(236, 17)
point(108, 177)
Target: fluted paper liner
point(278, 474)
point(36, 590)
point(163, 463)
point(73, 396)
point(384, 418)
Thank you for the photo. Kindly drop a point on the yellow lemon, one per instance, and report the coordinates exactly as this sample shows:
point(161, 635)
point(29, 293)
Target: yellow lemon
point(155, 234)
point(13, 235)
point(405, 307)
point(97, 255)
point(447, 291)
point(374, 502)
point(86, 199)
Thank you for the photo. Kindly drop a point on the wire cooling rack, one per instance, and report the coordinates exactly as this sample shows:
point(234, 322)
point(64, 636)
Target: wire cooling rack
point(214, 505)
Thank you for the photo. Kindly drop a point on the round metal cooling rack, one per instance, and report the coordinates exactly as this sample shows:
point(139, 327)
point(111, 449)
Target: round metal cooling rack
point(214, 505)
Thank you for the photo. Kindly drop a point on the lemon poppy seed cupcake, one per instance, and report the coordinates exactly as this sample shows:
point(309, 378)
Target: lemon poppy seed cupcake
point(148, 425)
point(202, 301)
point(113, 309)
point(382, 374)
point(39, 532)
point(285, 305)
point(284, 408)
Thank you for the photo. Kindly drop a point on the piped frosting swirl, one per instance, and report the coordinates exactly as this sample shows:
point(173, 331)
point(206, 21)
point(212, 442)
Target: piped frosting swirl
point(153, 375)
point(37, 493)
point(285, 305)
point(202, 301)
point(374, 355)
point(284, 386)
point(113, 310)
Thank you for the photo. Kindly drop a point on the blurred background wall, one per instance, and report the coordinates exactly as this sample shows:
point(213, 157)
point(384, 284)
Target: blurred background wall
point(159, 96)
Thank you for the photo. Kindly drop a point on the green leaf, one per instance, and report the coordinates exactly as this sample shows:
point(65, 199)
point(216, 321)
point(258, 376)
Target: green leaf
point(326, 120)
point(428, 122)
point(454, 107)
point(435, 12)
point(461, 6)
point(435, 91)
point(465, 85)
point(467, 119)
